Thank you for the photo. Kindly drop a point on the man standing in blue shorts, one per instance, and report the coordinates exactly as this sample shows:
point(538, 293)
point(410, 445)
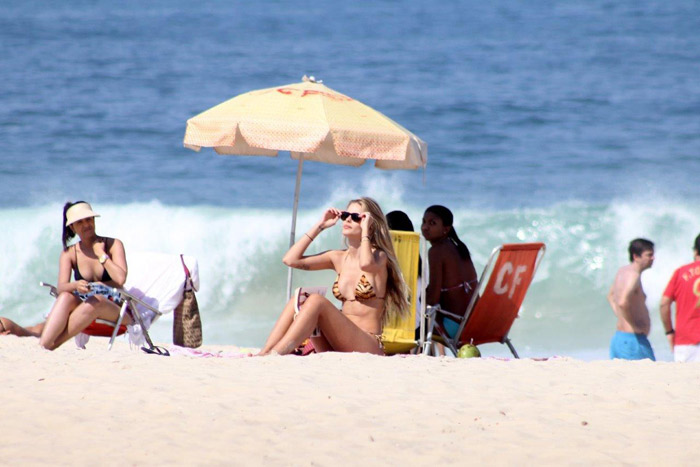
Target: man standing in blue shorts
point(628, 301)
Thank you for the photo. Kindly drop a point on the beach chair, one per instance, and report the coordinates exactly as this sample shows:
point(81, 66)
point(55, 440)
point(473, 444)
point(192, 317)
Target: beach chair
point(155, 286)
point(496, 301)
point(399, 336)
point(106, 328)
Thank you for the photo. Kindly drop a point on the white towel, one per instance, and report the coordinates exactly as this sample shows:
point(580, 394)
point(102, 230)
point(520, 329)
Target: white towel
point(159, 280)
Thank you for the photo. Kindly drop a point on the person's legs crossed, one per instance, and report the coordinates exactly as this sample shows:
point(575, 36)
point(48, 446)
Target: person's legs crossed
point(341, 333)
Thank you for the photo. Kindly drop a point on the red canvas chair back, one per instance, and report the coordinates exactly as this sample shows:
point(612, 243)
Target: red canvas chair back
point(497, 307)
point(101, 328)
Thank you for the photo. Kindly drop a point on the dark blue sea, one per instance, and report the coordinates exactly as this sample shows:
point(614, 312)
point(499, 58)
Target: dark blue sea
point(573, 123)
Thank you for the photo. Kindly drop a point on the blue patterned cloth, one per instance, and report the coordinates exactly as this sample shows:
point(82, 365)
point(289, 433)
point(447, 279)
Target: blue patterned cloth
point(100, 289)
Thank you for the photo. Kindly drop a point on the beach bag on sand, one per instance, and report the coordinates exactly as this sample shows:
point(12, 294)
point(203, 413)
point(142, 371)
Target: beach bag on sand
point(187, 324)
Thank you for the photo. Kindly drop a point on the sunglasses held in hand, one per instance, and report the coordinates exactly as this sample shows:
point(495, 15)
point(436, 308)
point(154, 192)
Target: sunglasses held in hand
point(352, 215)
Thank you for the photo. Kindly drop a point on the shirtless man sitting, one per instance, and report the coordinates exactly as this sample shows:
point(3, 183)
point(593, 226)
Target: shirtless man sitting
point(628, 301)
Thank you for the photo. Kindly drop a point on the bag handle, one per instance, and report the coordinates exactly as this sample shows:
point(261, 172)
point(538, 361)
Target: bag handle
point(189, 285)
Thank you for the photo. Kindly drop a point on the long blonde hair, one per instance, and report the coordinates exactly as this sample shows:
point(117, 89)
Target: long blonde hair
point(396, 304)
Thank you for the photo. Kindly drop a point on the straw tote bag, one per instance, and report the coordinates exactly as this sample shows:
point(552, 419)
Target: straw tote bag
point(187, 324)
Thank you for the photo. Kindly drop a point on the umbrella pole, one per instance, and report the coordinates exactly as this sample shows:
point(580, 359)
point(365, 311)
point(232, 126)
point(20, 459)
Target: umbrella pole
point(292, 235)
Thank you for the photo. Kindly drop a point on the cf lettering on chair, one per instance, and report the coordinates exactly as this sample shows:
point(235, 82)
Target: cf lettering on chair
point(506, 280)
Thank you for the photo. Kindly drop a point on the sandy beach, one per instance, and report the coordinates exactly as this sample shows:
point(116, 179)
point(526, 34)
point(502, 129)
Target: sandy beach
point(87, 407)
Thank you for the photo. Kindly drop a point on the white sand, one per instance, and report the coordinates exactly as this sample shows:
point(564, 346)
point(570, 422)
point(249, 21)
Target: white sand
point(90, 407)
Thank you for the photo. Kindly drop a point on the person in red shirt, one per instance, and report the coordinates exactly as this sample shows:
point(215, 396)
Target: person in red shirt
point(684, 289)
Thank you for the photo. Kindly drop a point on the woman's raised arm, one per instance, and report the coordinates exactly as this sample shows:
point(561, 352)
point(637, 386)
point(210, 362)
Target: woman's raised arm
point(295, 255)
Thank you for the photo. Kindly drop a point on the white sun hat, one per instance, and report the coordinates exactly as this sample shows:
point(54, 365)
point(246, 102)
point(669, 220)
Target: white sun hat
point(80, 210)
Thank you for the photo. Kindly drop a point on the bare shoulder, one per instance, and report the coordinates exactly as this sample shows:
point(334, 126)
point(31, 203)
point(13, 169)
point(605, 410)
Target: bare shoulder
point(114, 241)
point(437, 252)
point(627, 276)
point(336, 257)
point(66, 254)
point(114, 246)
point(630, 273)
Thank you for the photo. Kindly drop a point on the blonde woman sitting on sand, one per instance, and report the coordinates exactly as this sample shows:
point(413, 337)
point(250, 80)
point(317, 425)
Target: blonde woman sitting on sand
point(369, 285)
point(98, 264)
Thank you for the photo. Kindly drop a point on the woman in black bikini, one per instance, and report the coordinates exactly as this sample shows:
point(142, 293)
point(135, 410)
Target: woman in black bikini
point(369, 285)
point(98, 264)
point(452, 273)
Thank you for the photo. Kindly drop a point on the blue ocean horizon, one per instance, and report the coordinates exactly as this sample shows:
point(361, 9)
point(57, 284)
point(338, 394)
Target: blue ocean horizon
point(573, 124)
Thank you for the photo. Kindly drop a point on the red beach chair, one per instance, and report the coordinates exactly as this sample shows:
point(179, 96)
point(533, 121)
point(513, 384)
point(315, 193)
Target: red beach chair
point(495, 304)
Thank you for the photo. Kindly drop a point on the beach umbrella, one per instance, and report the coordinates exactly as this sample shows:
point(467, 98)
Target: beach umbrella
point(312, 122)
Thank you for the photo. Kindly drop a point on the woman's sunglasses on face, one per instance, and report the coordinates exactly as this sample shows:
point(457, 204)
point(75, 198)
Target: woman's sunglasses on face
point(352, 215)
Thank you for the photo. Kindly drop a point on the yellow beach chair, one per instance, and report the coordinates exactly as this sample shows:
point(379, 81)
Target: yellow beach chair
point(399, 336)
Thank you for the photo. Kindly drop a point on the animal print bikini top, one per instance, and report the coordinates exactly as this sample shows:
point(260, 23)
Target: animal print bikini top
point(363, 290)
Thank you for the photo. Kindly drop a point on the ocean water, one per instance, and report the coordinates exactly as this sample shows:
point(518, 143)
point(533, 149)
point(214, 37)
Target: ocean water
point(576, 124)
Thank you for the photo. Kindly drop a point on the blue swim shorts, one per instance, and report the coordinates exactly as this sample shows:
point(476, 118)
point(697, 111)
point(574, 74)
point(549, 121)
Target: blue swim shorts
point(630, 346)
point(450, 326)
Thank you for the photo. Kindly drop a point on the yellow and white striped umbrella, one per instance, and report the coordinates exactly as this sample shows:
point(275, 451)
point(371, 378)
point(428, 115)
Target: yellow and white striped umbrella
point(306, 119)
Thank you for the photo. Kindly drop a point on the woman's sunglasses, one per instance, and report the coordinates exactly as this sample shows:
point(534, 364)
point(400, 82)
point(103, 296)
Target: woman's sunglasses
point(352, 215)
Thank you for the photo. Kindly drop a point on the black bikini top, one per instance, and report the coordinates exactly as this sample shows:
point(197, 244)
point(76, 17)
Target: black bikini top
point(76, 270)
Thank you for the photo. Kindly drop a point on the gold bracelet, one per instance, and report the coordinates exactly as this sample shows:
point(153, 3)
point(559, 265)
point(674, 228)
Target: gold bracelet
point(310, 237)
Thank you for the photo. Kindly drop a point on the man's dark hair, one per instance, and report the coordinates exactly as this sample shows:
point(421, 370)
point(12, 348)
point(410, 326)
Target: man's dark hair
point(639, 246)
point(697, 245)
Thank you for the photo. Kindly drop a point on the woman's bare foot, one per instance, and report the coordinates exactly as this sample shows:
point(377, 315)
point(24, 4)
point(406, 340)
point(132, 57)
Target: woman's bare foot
point(9, 327)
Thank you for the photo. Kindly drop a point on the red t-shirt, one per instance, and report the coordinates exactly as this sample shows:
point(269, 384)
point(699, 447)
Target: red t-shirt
point(684, 289)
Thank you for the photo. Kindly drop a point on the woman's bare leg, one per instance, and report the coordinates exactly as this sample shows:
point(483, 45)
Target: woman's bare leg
point(321, 344)
point(345, 336)
point(94, 307)
point(58, 318)
point(342, 334)
point(9, 327)
point(280, 328)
